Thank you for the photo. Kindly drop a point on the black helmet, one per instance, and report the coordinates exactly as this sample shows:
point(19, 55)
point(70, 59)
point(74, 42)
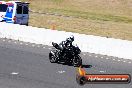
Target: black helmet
point(68, 40)
point(72, 38)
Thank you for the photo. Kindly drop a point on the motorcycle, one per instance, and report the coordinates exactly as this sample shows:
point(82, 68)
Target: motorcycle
point(68, 55)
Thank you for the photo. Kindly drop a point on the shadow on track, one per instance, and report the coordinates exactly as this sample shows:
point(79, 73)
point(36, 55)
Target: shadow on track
point(83, 65)
point(86, 66)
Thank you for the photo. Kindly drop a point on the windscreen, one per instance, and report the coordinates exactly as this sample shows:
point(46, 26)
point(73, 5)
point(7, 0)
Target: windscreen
point(3, 8)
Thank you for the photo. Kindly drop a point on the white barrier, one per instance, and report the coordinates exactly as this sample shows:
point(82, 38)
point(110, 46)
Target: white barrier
point(87, 43)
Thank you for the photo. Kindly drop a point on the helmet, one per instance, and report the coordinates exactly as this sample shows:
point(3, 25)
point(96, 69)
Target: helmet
point(72, 38)
point(68, 40)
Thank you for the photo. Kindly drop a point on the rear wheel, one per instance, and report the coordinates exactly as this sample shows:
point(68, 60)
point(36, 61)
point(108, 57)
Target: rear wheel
point(77, 61)
point(3, 21)
point(52, 57)
point(27, 24)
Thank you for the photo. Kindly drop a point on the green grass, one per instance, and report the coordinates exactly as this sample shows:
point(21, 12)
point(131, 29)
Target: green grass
point(111, 18)
point(90, 15)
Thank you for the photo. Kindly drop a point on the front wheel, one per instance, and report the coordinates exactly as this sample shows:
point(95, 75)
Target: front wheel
point(77, 61)
point(52, 57)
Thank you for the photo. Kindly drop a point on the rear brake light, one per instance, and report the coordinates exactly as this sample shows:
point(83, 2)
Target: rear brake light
point(14, 18)
point(2, 16)
point(10, 4)
point(0, 2)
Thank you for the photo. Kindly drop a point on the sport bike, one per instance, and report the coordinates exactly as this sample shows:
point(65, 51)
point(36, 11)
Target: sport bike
point(68, 55)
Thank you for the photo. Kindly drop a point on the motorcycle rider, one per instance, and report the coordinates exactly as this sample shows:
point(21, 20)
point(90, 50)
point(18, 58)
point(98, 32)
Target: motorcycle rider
point(66, 52)
point(66, 44)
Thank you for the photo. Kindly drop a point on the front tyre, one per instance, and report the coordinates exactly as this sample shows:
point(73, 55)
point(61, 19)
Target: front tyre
point(52, 57)
point(77, 61)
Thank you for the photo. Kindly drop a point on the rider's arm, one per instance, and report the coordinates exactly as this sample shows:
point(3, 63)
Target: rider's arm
point(62, 44)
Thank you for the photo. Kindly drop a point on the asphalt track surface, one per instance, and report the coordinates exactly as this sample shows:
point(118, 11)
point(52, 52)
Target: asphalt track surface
point(26, 65)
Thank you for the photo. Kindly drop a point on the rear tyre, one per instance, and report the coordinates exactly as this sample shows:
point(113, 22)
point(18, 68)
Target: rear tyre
point(27, 24)
point(52, 57)
point(77, 61)
point(3, 21)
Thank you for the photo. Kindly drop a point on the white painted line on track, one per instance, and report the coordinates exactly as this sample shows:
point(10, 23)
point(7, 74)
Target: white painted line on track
point(102, 57)
point(84, 54)
point(21, 43)
point(119, 60)
point(15, 42)
point(113, 59)
point(3, 40)
point(43, 47)
point(124, 61)
point(96, 56)
point(15, 73)
point(61, 72)
point(33, 45)
point(129, 62)
point(107, 58)
point(102, 71)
